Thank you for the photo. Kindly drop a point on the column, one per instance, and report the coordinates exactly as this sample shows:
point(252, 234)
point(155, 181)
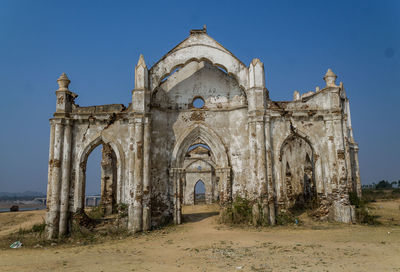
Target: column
point(51, 156)
point(173, 180)
point(66, 177)
point(225, 179)
point(146, 175)
point(341, 157)
point(253, 154)
point(261, 165)
point(131, 172)
point(357, 171)
point(138, 177)
point(270, 188)
point(53, 216)
point(179, 195)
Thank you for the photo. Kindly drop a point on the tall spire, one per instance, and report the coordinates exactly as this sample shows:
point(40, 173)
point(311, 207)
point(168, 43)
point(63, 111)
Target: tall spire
point(141, 62)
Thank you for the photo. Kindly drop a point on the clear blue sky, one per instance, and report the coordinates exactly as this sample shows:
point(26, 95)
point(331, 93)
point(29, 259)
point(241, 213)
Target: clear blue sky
point(97, 43)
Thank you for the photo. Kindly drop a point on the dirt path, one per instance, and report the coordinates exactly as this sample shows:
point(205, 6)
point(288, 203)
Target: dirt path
point(204, 245)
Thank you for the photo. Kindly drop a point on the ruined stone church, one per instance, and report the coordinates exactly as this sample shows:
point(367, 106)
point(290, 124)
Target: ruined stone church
point(201, 114)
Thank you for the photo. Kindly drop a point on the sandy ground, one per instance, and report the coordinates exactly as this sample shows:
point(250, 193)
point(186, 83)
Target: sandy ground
point(203, 245)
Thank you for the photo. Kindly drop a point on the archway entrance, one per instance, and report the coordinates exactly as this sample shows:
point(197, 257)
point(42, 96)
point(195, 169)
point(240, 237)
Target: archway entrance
point(199, 155)
point(199, 165)
point(298, 172)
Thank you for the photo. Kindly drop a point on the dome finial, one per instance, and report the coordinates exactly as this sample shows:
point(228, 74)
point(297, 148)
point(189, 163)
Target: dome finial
point(330, 78)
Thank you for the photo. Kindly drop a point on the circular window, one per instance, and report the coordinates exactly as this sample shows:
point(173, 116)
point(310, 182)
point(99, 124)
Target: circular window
point(198, 103)
point(199, 168)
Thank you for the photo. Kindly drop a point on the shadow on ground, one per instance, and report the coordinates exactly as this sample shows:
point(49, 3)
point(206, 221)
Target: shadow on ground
point(196, 217)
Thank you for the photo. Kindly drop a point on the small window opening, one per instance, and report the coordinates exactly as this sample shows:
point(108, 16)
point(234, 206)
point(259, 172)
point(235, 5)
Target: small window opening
point(199, 168)
point(197, 145)
point(198, 103)
point(170, 74)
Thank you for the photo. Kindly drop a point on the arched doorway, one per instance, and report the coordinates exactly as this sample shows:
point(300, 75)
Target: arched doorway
point(102, 193)
point(199, 136)
point(199, 164)
point(199, 193)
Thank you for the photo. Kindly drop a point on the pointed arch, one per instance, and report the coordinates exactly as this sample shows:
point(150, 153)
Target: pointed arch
point(297, 166)
point(205, 134)
point(291, 137)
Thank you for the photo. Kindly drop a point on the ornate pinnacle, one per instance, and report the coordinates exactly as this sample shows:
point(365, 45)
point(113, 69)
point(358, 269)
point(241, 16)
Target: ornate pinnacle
point(63, 82)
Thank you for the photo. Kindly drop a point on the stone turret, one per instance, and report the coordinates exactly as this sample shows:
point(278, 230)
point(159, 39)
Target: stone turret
point(330, 78)
point(65, 98)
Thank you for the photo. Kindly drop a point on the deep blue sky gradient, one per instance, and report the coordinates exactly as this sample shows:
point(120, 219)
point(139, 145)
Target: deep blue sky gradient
point(97, 43)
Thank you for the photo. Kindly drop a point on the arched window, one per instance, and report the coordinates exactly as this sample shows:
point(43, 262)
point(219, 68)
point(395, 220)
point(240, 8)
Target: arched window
point(199, 192)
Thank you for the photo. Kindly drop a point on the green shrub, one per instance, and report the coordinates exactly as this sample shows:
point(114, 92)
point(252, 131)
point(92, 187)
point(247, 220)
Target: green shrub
point(122, 209)
point(96, 212)
point(239, 212)
point(36, 228)
point(39, 228)
point(286, 218)
point(362, 214)
point(354, 199)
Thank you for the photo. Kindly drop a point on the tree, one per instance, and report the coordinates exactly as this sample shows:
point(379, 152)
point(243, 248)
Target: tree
point(383, 184)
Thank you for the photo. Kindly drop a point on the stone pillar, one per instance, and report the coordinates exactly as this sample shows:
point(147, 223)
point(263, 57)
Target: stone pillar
point(357, 179)
point(175, 180)
point(224, 175)
point(253, 156)
point(180, 178)
point(131, 173)
point(257, 96)
point(66, 178)
point(261, 164)
point(342, 156)
point(108, 179)
point(138, 177)
point(331, 173)
point(140, 107)
point(146, 175)
point(79, 190)
point(270, 210)
point(53, 213)
point(50, 168)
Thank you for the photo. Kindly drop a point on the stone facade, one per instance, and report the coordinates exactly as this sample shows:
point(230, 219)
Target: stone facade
point(276, 154)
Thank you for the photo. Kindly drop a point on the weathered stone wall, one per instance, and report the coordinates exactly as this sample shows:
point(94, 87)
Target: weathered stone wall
point(266, 151)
